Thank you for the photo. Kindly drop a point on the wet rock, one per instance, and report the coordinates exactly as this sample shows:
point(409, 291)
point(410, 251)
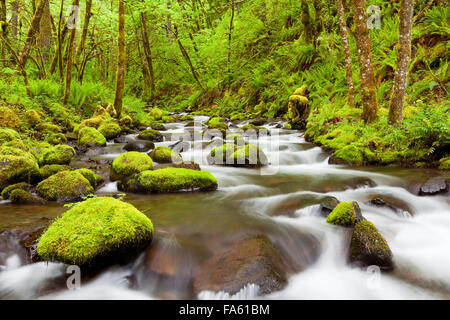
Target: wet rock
point(61, 154)
point(253, 259)
point(346, 214)
point(187, 165)
point(434, 186)
point(139, 146)
point(180, 146)
point(130, 163)
point(151, 135)
point(360, 182)
point(15, 169)
point(158, 126)
point(110, 129)
point(23, 197)
point(7, 191)
point(90, 137)
point(123, 139)
point(327, 205)
point(392, 203)
point(65, 186)
point(258, 122)
point(20, 242)
point(163, 154)
point(368, 247)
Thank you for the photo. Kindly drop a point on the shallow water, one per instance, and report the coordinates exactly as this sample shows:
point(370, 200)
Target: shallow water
point(279, 201)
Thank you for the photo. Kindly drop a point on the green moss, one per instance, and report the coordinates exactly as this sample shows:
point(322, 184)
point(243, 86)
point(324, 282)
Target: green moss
point(110, 130)
point(7, 135)
point(287, 126)
point(156, 114)
point(343, 215)
point(48, 127)
point(20, 196)
point(90, 137)
point(174, 180)
point(348, 155)
point(223, 127)
point(33, 117)
point(55, 138)
point(220, 154)
point(12, 151)
point(15, 169)
point(61, 154)
point(9, 118)
point(444, 164)
point(94, 179)
point(186, 118)
point(337, 139)
point(237, 138)
point(165, 155)
point(168, 119)
point(126, 122)
point(130, 163)
point(65, 186)
point(151, 135)
point(215, 120)
point(7, 191)
point(49, 170)
point(248, 155)
point(95, 228)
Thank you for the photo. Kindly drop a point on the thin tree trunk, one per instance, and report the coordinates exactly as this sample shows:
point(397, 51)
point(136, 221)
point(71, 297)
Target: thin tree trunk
point(120, 80)
point(45, 32)
point(34, 27)
point(187, 58)
point(70, 57)
point(369, 91)
point(348, 58)
point(148, 54)
point(14, 21)
point(87, 17)
point(230, 31)
point(403, 61)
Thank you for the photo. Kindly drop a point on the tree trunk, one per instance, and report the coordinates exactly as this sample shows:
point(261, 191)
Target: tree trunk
point(70, 57)
point(230, 30)
point(14, 21)
point(87, 17)
point(148, 54)
point(120, 80)
point(348, 58)
point(369, 91)
point(45, 32)
point(403, 61)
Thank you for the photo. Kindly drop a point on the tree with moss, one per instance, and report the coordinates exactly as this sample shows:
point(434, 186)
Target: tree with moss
point(120, 77)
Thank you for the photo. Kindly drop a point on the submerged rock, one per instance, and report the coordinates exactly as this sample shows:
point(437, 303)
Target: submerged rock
point(94, 230)
point(253, 259)
point(390, 202)
point(434, 186)
point(170, 180)
point(345, 214)
point(165, 155)
point(139, 146)
point(368, 247)
point(130, 163)
point(65, 186)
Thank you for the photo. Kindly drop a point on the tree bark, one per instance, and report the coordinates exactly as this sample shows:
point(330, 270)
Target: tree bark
point(348, 58)
point(14, 21)
point(230, 31)
point(87, 18)
point(70, 58)
point(148, 54)
point(120, 79)
point(369, 91)
point(403, 61)
point(45, 32)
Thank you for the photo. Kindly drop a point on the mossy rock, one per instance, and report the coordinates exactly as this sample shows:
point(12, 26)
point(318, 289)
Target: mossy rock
point(287, 126)
point(15, 169)
point(9, 118)
point(130, 163)
point(248, 156)
point(236, 138)
point(345, 214)
point(168, 119)
point(219, 155)
point(215, 120)
point(23, 197)
point(12, 151)
point(7, 135)
point(33, 117)
point(156, 113)
point(65, 186)
point(157, 126)
point(222, 127)
point(444, 164)
point(151, 135)
point(171, 180)
point(55, 138)
point(111, 110)
point(102, 113)
point(165, 155)
point(49, 170)
point(348, 155)
point(94, 122)
point(126, 122)
point(139, 146)
point(93, 178)
point(252, 130)
point(48, 127)
point(93, 230)
point(186, 117)
point(91, 137)
point(110, 130)
point(7, 191)
point(368, 247)
point(61, 154)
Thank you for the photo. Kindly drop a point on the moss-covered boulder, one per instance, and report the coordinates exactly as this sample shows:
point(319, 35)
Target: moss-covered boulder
point(23, 197)
point(158, 126)
point(61, 154)
point(7, 191)
point(222, 127)
point(49, 170)
point(236, 138)
point(65, 186)
point(156, 113)
point(130, 163)
point(444, 164)
point(93, 178)
point(9, 118)
point(368, 247)
point(219, 155)
point(7, 135)
point(55, 138)
point(345, 214)
point(33, 117)
point(91, 137)
point(94, 230)
point(287, 126)
point(248, 156)
point(110, 130)
point(348, 155)
point(13, 151)
point(15, 169)
point(46, 127)
point(165, 155)
point(151, 135)
point(170, 180)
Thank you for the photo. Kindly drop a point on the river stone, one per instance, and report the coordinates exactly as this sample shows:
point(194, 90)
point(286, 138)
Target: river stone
point(258, 122)
point(327, 205)
point(253, 259)
point(151, 135)
point(346, 214)
point(158, 126)
point(434, 186)
point(19, 196)
point(15, 169)
point(390, 202)
point(19, 242)
point(65, 186)
point(139, 146)
point(368, 247)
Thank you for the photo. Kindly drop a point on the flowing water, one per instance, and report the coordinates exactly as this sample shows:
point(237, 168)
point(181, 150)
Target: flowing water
point(280, 201)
